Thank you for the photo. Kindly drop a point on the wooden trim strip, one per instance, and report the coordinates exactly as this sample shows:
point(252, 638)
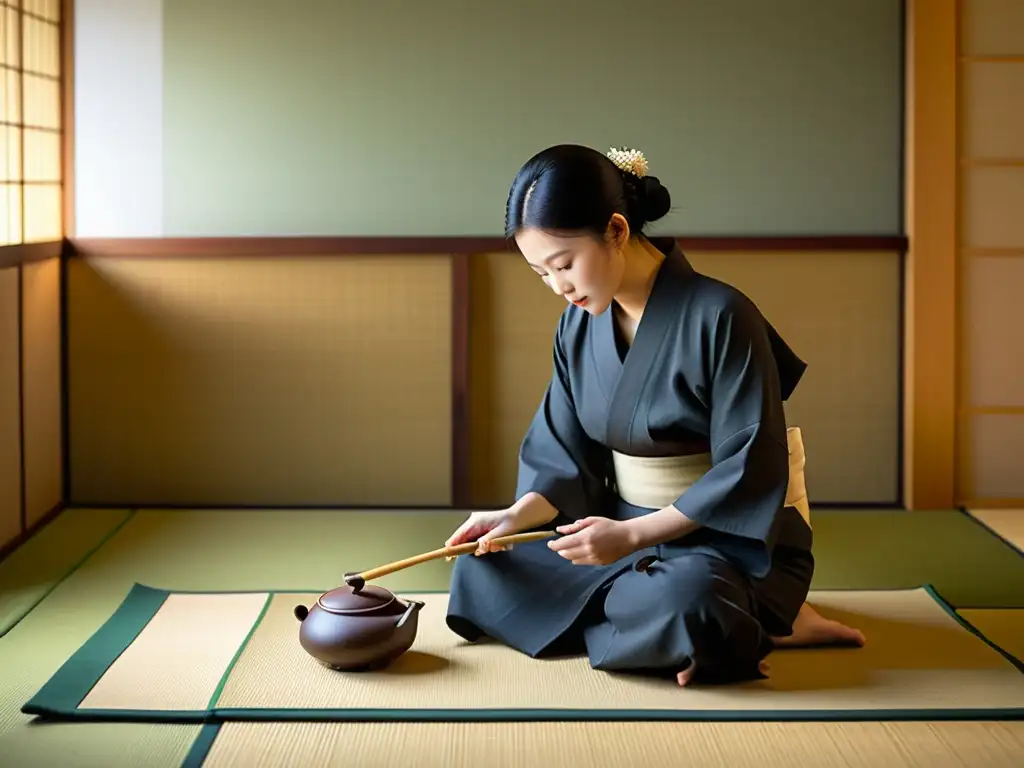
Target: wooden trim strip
point(992, 410)
point(10, 68)
point(798, 243)
point(16, 7)
point(992, 58)
point(982, 503)
point(67, 111)
point(21, 115)
point(15, 255)
point(137, 505)
point(992, 162)
point(214, 247)
point(930, 294)
point(992, 253)
point(22, 472)
point(27, 127)
point(65, 408)
point(207, 247)
point(460, 380)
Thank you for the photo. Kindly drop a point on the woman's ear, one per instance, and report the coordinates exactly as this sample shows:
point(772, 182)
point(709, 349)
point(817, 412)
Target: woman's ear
point(618, 231)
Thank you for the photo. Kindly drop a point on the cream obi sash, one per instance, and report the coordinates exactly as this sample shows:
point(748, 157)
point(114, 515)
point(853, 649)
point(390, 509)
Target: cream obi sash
point(656, 482)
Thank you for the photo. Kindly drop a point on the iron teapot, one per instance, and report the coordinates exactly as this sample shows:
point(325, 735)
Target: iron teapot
point(358, 627)
point(361, 627)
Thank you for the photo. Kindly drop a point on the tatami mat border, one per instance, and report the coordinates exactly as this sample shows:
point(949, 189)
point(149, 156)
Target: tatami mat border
point(60, 697)
point(978, 521)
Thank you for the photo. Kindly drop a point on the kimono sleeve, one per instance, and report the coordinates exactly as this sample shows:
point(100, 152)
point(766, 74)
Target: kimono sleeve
point(745, 489)
point(557, 458)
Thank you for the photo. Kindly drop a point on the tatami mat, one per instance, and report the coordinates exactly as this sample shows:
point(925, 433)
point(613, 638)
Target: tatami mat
point(304, 550)
point(1008, 524)
point(1003, 626)
point(880, 549)
point(100, 745)
point(34, 569)
point(235, 656)
point(616, 745)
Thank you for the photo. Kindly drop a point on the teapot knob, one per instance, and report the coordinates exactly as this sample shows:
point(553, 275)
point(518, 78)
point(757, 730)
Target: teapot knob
point(355, 581)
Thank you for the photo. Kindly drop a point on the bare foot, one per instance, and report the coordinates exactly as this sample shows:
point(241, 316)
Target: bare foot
point(684, 677)
point(811, 628)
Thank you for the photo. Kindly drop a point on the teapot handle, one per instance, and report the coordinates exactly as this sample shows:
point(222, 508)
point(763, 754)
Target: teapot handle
point(413, 606)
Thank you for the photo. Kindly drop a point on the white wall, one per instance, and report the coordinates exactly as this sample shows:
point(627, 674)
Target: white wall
point(119, 118)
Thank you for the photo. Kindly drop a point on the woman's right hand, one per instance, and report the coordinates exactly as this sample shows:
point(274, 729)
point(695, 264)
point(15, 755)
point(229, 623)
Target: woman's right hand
point(531, 511)
point(482, 527)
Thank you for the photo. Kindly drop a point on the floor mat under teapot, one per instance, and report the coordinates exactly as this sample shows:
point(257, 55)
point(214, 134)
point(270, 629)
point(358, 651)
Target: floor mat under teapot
point(208, 657)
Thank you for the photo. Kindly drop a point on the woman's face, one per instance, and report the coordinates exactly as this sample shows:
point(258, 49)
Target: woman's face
point(581, 269)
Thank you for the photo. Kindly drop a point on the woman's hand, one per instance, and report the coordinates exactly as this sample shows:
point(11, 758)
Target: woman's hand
point(484, 526)
point(595, 541)
point(531, 511)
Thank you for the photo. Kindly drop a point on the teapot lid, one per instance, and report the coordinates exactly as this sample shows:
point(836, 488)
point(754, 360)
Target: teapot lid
point(346, 600)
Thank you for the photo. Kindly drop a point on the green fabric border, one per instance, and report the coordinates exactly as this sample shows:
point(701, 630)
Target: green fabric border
point(201, 746)
point(60, 696)
point(238, 654)
point(63, 692)
point(988, 528)
point(1018, 663)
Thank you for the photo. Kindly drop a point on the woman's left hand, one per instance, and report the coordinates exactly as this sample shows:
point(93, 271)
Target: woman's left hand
point(594, 541)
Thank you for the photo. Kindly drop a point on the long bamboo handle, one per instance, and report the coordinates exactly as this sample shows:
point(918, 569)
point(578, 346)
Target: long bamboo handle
point(458, 549)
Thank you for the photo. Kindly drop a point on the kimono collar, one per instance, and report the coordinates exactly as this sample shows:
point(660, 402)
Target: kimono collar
point(675, 267)
point(676, 270)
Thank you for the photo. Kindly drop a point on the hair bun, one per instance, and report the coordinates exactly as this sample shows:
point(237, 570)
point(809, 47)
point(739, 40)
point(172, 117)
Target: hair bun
point(655, 199)
point(650, 200)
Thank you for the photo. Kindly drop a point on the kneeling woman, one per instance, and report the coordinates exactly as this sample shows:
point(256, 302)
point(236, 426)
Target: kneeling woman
point(660, 451)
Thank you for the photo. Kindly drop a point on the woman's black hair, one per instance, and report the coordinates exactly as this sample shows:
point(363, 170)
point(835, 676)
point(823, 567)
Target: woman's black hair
point(570, 188)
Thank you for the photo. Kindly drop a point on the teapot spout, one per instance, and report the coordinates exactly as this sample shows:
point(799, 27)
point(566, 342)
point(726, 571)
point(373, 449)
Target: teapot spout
point(412, 608)
point(301, 612)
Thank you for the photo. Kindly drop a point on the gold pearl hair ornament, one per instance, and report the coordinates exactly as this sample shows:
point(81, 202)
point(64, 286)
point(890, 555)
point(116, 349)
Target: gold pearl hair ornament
point(629, 160)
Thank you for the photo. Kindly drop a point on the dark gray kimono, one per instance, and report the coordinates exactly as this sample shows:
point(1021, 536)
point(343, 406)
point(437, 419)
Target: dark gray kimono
point(705, 373)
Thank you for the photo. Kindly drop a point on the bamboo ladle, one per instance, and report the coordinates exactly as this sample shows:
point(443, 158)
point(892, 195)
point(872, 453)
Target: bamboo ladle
point(358, 580)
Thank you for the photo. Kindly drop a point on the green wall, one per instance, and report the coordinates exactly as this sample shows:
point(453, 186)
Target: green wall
point(334, 117)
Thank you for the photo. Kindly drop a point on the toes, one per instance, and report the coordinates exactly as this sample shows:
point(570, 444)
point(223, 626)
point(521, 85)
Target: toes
point(840, 633)
point(856, 637)
point(684, 677)
point(821, 632)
